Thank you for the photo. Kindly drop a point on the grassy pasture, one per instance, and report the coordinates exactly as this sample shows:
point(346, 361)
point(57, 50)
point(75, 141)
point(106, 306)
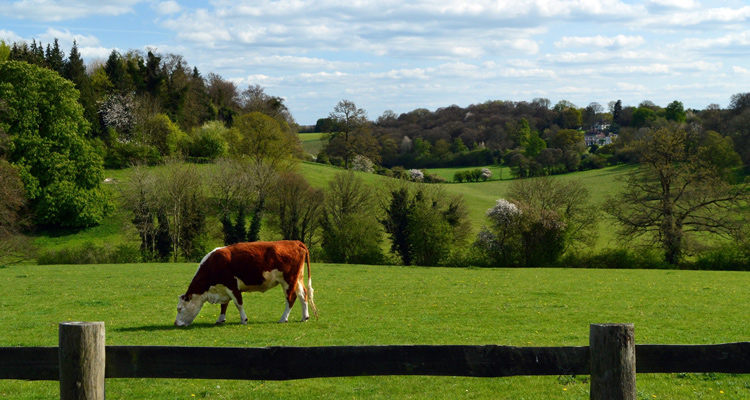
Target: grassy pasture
point(370, 305)
point(312, 142)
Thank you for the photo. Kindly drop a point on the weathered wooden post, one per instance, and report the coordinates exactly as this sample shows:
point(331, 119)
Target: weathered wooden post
point(612, 349)
point(82, 360)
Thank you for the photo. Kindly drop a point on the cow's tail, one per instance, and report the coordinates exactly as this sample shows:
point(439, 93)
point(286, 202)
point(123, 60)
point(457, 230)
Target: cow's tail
point(310, 292)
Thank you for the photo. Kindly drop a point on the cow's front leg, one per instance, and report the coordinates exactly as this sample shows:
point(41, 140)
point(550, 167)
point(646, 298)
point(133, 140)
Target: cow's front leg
point(290, 297)
point(237, 298)
point(223, 315)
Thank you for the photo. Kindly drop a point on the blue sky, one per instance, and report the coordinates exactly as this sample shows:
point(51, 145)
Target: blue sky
point(404, 54)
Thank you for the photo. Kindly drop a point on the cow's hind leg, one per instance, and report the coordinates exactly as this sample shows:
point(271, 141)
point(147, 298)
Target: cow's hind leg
point(237, 298)
point(302, 294)
point(223, 315)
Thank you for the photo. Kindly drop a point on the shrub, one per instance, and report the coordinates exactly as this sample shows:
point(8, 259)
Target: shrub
point(616, 259)
point(122, 155)
point(416, 175)
point(209, 142)
point(459, 176)
point(322, 157)
point(728, 258)
point(433, 178)
point(362, 163)
point(89, 253)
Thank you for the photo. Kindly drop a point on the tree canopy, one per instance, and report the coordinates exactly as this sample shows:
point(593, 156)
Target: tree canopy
point(60, 170)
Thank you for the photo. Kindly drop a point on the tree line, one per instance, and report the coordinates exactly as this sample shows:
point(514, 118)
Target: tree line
point(533, 138)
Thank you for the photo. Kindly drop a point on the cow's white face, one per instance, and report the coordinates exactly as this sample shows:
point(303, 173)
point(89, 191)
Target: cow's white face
point(187, 310)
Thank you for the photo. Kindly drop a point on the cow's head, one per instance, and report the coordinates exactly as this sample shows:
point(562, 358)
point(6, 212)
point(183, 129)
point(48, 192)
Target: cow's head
point(187, 309)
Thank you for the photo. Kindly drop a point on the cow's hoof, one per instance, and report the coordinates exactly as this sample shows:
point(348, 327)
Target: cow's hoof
point(219, 323)
point(244, 322)
point(282, 322)
point(305, 319)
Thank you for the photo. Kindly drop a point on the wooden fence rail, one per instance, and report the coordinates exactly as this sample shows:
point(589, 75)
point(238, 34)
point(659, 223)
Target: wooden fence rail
point(607, 360)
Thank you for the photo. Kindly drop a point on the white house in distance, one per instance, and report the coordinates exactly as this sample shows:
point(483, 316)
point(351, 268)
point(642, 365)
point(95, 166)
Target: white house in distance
point(599, 135)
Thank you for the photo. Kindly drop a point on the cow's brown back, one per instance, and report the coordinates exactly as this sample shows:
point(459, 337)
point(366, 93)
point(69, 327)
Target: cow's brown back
point(248, 262)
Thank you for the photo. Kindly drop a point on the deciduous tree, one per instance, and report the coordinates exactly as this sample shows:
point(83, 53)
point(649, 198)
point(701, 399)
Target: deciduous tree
point(677, 191)
point(296, 208)
point(350, 229)
point(351, 134)
point(62, 173)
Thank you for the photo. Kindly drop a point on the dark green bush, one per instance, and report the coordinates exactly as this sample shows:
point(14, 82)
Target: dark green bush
point(90, 253)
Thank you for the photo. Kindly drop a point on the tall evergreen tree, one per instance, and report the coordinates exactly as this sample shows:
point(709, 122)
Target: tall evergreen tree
point(75, 71)
point(54, 57)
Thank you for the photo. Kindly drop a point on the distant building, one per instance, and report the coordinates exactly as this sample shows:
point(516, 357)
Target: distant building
point(599, 134)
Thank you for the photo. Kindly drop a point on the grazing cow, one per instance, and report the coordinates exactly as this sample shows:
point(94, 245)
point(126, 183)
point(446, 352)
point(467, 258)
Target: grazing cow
point(226, 272)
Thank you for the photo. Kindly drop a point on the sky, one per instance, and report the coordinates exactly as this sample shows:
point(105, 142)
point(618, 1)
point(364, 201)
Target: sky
point(401, 55)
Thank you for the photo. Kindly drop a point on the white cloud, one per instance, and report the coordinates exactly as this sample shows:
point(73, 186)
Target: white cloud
point(93, 53)
point(740, 70)
point(734, 39)
point(59, 10)
point(630, 87)
point(9, 36)
point(167, 7)
point(600, 41)
point(66, 37)
point(698, 18)
point(673, 4)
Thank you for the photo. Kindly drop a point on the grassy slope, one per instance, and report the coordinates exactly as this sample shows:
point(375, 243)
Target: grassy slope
point(365, 305)
point(479, 197)
point(311, 142)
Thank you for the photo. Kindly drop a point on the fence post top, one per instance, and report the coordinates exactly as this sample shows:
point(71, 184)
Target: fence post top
point(610, 325)
point(81, 323)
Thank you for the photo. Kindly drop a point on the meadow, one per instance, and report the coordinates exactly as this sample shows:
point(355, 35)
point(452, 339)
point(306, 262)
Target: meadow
point(380, 305)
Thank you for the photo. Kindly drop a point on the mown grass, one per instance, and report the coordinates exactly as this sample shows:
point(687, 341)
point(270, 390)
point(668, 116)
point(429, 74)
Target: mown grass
point(379, 305)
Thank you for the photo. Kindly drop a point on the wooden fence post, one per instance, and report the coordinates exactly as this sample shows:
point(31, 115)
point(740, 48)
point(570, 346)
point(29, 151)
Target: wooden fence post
point(612, 349)
point(82, 360)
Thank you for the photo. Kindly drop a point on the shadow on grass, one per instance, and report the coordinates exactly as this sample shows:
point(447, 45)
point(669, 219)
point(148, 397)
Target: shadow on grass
point(199, 325)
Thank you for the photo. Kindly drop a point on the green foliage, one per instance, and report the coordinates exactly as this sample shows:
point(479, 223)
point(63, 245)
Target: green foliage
point(90, 253)
point(4, 51)
point(209, 141)
point(61, 171)
point(159, 131)
point(296, 208)
point(350, 229)
point(122, 155)
point(675, 194)
point(617, 258)
point(642, 116)
point(424, 224)
point(675, 112)
point(261, 138)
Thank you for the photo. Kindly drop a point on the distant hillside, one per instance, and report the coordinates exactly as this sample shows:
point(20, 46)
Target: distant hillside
point(479, 197)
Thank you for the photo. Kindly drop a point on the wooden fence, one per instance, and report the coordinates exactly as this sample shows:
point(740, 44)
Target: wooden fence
point(82, 361)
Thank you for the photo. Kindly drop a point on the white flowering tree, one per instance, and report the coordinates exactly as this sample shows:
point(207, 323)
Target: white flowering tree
point(362, 163)
point(118, 112)
point(486, 174)
point(416, 175)
point(521, 235)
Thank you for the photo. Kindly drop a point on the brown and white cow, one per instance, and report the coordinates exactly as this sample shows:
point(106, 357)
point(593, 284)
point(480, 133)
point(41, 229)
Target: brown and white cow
point(226, 272)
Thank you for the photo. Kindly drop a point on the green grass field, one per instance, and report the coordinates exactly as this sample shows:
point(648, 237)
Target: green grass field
point(377, 305)
point(312, 142)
